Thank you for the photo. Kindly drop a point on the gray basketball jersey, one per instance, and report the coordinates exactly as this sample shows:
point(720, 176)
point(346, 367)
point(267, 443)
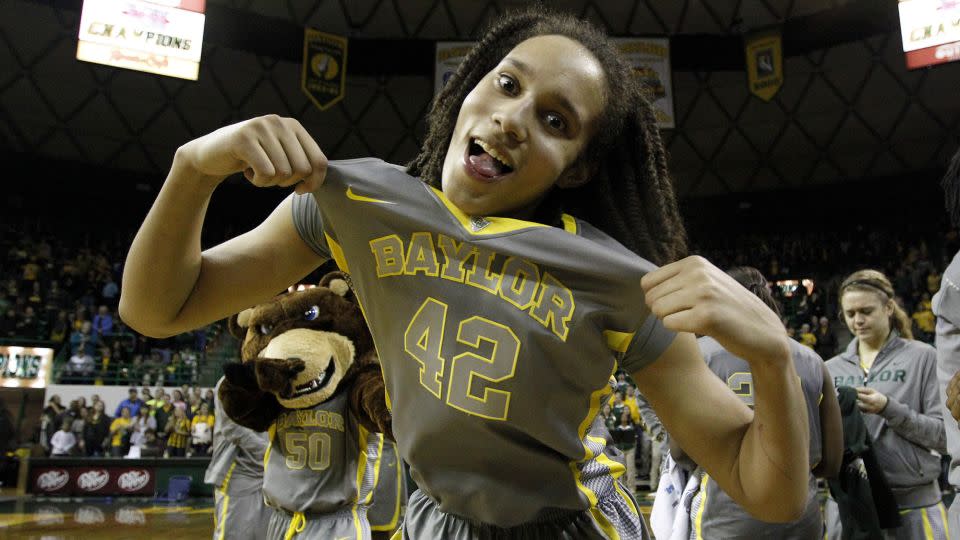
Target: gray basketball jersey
point(237, 459)
point(320, 459)
point(497, 337)
point(716, 514)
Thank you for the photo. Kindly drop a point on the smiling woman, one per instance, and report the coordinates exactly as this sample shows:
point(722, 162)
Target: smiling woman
point(505, 274)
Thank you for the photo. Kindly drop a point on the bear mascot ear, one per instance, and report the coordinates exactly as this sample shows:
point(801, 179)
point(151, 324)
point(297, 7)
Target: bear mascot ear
point(237, 324)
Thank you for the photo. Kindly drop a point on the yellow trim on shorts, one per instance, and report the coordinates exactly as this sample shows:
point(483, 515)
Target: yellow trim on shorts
point(927, 528)
point(362, 462)
point(943, 516)
point(226, 502)
point(356, 522)
point(398, 535)
point(698, 521)
point(297, 524)
point(376, 470)
point(337, 253)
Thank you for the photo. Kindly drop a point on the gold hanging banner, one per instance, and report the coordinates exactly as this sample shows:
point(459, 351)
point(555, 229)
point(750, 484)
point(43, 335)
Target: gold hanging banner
point(324, 73)
point(765, 64)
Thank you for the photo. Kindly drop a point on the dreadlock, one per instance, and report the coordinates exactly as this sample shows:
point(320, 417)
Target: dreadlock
point(630, 195)
point(951, 190)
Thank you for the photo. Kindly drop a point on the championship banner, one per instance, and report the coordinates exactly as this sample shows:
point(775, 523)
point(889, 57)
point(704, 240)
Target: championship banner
point(25, 367)
point(448, 58)
point(650, 58)
point(324, 75)
point(765, 65)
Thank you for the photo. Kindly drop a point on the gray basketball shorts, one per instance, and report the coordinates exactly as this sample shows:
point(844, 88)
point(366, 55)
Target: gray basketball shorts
point(240, 516)
point(349, 523)
point(614, 518)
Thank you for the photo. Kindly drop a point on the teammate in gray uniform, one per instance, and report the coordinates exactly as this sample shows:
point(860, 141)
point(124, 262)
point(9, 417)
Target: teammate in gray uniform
point(713, 513)
point(897, 388)
point(319, 473)
point(499, 319)
point(946, 306)
point(236, 473)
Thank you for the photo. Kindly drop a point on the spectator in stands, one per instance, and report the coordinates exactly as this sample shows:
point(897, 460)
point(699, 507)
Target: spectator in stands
point(103, 322)
point(208, 398)
point(54, 406)
point(201, 430)
point(807, 338)
point(178, 400)
point(96, 430)
point(80, 367)
point(152, 401)
point(178, 433)
point(109, 292)
point(78, 426)
point(132, 403)
point(924, 321)
point(85, 339)
point(163, 413)
point(8, 324)
point(63, 441)
point(31, 272)
point(826, 340)
point(28, 326)
point(625, 438)
point(55, 296)
point(150, 445)
point(120, 433)
point(35, 298)
point(60, 328)
point(140, 424)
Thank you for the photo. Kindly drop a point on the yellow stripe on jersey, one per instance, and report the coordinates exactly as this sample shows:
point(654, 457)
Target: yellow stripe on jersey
point(698, 520)
point(362, 463)
point(595, 398)
point(570, 224)
point(618, 341)
point(376, 470)
point(494, 225)
point(396, 496)
point(337, 252)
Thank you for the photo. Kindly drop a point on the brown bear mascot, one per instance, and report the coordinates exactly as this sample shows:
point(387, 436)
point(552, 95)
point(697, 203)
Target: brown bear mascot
point(309, 375)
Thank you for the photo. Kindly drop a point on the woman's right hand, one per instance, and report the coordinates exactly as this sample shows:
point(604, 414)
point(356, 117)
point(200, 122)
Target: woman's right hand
point(269, 150)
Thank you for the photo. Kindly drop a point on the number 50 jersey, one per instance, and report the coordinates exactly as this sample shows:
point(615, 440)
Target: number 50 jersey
point(497, 338)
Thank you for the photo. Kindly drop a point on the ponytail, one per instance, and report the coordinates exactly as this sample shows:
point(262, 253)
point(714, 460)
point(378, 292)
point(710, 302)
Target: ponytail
point(753, 280)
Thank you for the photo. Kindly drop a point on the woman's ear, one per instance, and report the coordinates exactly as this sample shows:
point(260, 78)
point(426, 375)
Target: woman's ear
point(576, 175)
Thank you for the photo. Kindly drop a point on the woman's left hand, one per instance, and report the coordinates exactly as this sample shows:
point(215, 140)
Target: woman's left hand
point(692, 295)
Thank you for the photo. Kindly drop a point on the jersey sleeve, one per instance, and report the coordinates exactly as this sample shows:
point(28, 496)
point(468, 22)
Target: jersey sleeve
point(648, 343)
point(307, 220)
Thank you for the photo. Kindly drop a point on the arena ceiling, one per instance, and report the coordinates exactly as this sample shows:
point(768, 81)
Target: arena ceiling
point(848, 110)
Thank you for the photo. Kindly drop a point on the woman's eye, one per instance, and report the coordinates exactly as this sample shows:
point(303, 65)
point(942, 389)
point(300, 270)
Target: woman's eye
point(508, 84)
point(556, 122)
point(311, 313)
point(265, 329)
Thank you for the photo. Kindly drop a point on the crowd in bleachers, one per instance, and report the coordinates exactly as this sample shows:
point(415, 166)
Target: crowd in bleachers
point(67, 295)
point(145, 424)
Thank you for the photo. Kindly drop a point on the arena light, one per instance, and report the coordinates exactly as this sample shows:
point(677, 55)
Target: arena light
point(930, 30)
point(156, 36)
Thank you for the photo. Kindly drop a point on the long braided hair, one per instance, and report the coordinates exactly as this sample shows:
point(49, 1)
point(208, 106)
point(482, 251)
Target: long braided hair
point(951, 190)
point(630, 195)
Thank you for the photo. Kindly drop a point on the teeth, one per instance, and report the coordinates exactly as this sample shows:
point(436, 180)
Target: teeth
point(312, 385)
point(490, 150)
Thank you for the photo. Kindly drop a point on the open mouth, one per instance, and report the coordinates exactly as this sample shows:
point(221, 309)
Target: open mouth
point(485, 162)
point(316, 384)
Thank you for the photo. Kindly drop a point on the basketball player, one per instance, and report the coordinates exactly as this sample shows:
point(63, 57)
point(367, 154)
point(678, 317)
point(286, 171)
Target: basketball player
point(236, 472)
point(713, 513)
point(896, 382)
point(496, 315)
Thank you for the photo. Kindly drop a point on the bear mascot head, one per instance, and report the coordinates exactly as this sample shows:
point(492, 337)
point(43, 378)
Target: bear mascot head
point(301, 349)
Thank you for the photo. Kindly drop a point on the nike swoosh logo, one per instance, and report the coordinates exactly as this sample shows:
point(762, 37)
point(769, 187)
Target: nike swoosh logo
point(353, 196)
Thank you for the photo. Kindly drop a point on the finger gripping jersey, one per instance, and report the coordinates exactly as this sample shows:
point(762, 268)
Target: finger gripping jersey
point(497, 338)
